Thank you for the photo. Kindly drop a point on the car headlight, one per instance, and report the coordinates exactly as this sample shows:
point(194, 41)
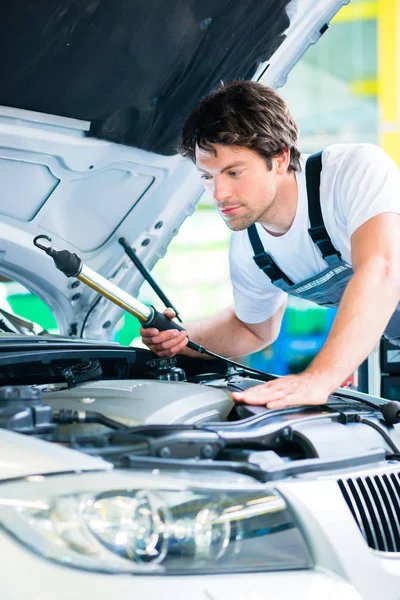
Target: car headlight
point(124, 523)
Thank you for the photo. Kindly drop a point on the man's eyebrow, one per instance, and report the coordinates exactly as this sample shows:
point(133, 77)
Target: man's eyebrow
point(239, 163)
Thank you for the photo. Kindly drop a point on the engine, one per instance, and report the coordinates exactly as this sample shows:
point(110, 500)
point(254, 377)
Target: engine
point(132, 408)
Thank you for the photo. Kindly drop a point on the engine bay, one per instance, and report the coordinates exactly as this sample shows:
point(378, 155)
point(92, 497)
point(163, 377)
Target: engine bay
point(135, 410)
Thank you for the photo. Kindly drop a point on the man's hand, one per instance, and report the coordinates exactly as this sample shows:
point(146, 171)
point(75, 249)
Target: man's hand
point(291, 390)
point(164, 343)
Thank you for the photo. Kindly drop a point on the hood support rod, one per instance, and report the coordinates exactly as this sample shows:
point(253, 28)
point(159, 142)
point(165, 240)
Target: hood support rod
point(147, 275)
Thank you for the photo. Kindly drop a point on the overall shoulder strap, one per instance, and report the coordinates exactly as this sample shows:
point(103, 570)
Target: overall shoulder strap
point(265, 261)
point(317, 231)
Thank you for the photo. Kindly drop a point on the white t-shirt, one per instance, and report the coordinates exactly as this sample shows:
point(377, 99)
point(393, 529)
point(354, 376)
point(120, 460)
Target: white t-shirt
point(358, 182)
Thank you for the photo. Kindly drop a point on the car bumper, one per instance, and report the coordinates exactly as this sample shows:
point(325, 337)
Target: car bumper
point(26, 576)
point(344, 566)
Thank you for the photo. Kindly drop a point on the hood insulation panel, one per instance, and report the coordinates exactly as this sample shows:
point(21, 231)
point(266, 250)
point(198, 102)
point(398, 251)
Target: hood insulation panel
point(133, 68)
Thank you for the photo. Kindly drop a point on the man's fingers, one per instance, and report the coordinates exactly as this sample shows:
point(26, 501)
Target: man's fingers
point(280, 404)
point(164, 343)
point(257, 395)
point(290, 390)
point(255, 400)
point(167, 343)
point(169, 353)
point(164, 336)
point(151, 332)
point(174, 341)
point(168, 312)
point(272, 399)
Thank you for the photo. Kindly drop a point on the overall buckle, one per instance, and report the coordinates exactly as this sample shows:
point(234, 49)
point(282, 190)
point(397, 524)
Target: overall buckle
point(266, 264)
point(321, 239)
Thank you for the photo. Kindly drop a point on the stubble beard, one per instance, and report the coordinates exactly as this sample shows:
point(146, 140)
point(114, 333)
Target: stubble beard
point(244, 222)
point(241, 224)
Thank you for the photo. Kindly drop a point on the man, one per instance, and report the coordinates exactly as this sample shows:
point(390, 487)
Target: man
point(244, 143)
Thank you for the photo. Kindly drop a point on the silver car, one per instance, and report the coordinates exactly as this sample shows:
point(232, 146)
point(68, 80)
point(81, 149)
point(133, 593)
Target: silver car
point(122, 474)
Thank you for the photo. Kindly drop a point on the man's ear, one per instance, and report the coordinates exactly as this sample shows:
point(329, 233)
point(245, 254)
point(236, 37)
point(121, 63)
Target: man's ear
point(282, 161)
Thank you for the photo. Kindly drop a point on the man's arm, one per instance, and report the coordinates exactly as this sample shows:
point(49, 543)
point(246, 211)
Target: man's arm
point(222, 333)
point(368, 303)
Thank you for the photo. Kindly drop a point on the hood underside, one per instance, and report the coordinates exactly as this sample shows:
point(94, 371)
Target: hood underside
point(134, 69)
point(92, 100)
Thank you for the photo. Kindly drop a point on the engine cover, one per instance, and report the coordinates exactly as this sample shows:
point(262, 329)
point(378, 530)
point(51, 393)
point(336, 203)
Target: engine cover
point(140, 401)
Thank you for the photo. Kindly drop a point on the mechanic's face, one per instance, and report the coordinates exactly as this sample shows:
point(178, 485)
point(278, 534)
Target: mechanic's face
point(244, 190)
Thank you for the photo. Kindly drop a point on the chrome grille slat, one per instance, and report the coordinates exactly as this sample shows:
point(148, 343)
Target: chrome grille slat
point(388, 536)
point(374, 514)
point(348, 496)
point(394, 516)
point(394, 494)
point(374, 502)
point(364, 511)
point(396, 483)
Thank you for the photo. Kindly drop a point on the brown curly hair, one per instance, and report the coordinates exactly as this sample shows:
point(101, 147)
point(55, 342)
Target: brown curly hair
point(242, 113)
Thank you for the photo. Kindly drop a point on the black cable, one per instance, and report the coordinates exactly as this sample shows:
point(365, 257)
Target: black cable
point(383, 433)
point(88, 314)
point(236, 364)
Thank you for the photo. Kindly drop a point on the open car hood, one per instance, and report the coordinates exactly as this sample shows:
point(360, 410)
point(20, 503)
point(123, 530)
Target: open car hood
point(92, 101)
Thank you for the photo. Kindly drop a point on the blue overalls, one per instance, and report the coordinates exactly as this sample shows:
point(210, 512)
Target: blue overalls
point(326, 288)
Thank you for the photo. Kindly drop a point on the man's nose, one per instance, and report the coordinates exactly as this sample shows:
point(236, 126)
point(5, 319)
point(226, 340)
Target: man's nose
point(222, 191)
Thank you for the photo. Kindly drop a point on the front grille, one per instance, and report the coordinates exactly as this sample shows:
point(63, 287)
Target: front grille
point(374, 502)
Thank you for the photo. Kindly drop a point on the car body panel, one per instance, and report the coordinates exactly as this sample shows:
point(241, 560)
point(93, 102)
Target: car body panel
point(47, 581)
point(23, 456)
point(341, 561)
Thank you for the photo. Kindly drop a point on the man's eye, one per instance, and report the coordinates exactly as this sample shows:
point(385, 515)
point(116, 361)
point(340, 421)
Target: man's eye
point(206, 177)
point(235, 173)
